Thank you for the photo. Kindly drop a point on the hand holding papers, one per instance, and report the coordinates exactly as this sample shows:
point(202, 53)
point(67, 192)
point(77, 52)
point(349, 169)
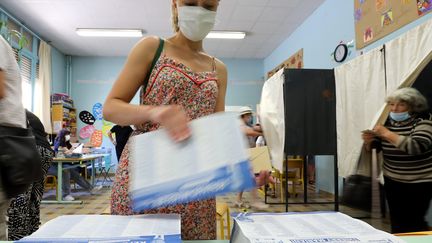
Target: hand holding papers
point(212, 161)
point(371, 132)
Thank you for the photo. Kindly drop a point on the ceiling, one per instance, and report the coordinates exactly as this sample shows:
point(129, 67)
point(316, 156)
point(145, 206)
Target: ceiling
point(267, 23)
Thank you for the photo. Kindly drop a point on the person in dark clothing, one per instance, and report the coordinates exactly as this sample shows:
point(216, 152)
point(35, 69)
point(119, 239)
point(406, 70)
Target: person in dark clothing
point(122, 134)
point(24, 210)
point(62, 144)
point(62, 140)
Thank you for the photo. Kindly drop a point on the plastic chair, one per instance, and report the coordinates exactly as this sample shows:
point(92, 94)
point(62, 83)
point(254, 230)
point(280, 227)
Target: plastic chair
point(222, 214)
point(105, 168)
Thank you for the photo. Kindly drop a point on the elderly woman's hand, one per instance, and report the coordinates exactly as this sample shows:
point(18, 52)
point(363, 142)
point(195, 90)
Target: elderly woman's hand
point(381, 131)
point(368, 137)
point(386, 134)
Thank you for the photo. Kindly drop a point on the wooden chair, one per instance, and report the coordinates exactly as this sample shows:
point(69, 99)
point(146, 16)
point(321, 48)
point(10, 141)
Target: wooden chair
point(222, 214)
point(51, 183)
point(295, 173)
point(295, 176)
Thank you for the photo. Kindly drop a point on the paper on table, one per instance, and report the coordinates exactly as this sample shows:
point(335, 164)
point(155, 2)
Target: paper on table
point(212, 161)
point(112, 228)
point(78, 150)
point(306, 228)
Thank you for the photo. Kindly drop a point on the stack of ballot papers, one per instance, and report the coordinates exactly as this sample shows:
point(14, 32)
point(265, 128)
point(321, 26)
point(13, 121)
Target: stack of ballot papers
point(314, 227)
point(157, 228)
point(214, 160)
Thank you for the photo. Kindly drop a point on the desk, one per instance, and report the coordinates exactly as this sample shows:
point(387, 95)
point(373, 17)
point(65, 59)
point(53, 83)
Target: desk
point(75, 162)
point(408, 239)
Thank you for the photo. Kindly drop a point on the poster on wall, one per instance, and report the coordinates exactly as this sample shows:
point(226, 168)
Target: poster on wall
point(294, 61)
point(375, 19)
point(96, 138)
point(87, 131)
point(424, 6)
point(97, 111)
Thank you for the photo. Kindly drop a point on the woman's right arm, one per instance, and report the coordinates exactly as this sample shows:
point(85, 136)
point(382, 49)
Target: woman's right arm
point(117, 108)
point(2, 84)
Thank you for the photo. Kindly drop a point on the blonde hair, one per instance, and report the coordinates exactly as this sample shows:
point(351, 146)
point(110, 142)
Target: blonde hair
point(174, 17)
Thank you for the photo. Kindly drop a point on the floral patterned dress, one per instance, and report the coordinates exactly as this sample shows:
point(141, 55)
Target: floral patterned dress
point(171, 83)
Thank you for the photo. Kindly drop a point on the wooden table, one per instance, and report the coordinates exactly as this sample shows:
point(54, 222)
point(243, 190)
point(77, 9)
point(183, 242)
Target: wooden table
point(74, 162)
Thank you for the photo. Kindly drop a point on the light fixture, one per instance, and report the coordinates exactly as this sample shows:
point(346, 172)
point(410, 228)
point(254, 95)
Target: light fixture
point(226, 35)
point(89, 32)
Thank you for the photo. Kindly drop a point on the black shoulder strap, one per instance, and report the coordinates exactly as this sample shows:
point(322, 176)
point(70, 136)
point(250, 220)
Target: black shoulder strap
point(155, 58)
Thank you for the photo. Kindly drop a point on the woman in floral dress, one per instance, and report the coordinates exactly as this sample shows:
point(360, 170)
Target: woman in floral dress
point(184, 84)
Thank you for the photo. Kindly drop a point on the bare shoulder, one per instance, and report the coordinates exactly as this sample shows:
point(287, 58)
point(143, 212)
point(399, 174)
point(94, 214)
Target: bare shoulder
point(222, 72)
point(146, 47)
point(220, 65)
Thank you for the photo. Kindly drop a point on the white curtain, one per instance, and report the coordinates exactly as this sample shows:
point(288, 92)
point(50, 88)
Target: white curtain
point(272, 118)
point(361, 89)
point(360, 92)
point(408, 55)
point(43, 87)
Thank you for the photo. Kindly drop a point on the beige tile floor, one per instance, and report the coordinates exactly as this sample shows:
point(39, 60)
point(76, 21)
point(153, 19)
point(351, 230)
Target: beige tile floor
point(98, 204)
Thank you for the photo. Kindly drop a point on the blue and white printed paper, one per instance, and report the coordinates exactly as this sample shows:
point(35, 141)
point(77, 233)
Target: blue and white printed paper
point(310, 227)
point(212, 161)
point(155, 228)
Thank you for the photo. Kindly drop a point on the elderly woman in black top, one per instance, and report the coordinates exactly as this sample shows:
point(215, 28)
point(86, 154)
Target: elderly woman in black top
point(406, 143)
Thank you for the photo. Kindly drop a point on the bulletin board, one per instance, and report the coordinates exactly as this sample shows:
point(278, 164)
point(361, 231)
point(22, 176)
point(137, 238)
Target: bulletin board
point(374, 19)
point(294, 61)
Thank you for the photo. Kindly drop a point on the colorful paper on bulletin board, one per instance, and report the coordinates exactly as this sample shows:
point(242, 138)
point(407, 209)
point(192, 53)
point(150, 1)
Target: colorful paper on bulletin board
point(380, 18)
point(424, 6)
point(294, 61)
point(380, 5)
point(96, 138)
point(368, 35)
point(87, 131)
point(387, 18)
point(97, 111)
point(358, 14)
point(106, 127)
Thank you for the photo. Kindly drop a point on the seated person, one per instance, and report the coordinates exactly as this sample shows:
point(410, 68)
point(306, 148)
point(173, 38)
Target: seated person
point(62, 144)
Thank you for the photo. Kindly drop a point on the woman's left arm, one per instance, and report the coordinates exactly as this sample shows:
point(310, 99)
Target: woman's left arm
point(222, 76)
point(418, 142)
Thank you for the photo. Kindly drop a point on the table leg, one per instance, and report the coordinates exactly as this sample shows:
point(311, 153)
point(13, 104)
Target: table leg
point(93, 173)
point(60, 189)
point(60, 181)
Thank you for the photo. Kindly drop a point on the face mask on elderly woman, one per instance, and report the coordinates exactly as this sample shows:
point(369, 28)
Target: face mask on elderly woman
point(401, 116)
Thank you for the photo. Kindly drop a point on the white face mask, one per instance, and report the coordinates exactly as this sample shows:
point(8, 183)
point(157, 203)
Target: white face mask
point(195, 22)
point(67, 137)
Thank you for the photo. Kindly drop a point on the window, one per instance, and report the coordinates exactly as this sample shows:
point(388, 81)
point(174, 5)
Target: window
point(27, 89)
point(27, 57)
